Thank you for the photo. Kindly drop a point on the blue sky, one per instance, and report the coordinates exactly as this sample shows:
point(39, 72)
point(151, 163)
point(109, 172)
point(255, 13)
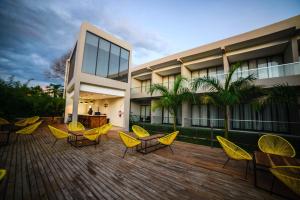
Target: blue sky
point(33, 32)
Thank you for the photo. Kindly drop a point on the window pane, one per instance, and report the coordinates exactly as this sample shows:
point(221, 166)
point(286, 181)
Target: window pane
point(195, 115)
point(124, 59)
point(212, 72)
point(244, 68)
point(103, 57)
point(203, 115)
point(262, 68)
point(114, 61)
point(72, 64)
point(195, 74)
point(90, 53)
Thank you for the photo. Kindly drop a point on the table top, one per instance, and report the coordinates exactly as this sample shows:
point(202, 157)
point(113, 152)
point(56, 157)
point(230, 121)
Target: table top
point(76, 133)
point(270, 160)
point(151, 137)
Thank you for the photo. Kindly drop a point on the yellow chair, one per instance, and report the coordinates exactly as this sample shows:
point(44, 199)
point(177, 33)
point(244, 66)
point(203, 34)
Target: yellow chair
point(289, 175)
point(22, 122)
point(139, 131)
point(128, 141)
point(106, 128)
point(2, 173)
point(93, 134)
point(3, 122)
point(32, 120)
point(168, 139)
point(234, 152)
point(274, 144)
point(75, 126)
point(58, 134)
point(29, 129)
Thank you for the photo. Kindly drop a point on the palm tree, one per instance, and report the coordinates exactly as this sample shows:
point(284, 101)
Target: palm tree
point(56, 90)
point(225, 95)
point(173, 97)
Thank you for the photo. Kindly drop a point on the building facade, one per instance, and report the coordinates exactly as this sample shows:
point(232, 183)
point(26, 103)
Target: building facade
point(271, 53)
point(97, 80)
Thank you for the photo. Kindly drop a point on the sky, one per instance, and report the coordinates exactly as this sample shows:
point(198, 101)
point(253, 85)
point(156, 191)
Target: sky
point(35, 32)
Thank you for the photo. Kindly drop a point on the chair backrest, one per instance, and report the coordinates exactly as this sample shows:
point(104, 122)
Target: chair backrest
point(32, 120)
point(139, 131)
point(3, 121)
point(232, 150)
point(128, 140)
point(75, 126)
point(289, 175)
point(22, 122)
point(29, 129)
point(106, 128)
point(92, 131)
point(277, 145)
point(58, 133)
point(169, 139)
point(2, 173)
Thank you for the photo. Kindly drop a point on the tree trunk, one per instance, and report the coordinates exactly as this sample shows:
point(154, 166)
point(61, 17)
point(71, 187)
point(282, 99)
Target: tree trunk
point(174, 122)
point(226, 122)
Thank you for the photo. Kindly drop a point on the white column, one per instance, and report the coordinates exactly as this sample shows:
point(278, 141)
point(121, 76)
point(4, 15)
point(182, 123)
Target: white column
point(186, 106)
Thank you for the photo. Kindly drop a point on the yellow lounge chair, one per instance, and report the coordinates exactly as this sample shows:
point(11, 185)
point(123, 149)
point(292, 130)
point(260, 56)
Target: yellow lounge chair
point(274, 144)
point(3, 122)
point(93, 134)
point(128, 141)
point(234, 152)
point(32, 120)
point(58, 134)
point(21, 123)
point(75, 126)
point(139, 131)
point(289, 175)
point(168, 139)
point(2, 173)
point(106, 128)
point(29, 129)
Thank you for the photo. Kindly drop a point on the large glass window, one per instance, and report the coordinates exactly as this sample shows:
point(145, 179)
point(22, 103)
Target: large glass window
point(272, 118)
point(114, 61)
point(168, 118)
point(168, 81)
point(103, 58)
point(145, 86)
point(145, 113)
point(90, 53)
point(72, 64)
point(207, 116)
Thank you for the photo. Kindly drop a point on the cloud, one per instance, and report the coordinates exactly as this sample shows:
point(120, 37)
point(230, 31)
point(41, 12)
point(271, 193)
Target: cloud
point(34, 33)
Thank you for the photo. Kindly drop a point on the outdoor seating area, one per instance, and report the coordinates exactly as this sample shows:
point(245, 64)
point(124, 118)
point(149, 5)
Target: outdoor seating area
point(36, 166)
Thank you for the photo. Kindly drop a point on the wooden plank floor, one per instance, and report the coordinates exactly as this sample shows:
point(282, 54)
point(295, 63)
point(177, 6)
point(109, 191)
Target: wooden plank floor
point(38, 171)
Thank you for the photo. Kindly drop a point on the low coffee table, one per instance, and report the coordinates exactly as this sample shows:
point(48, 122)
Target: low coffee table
point(146, 146)
point(76, 139)
point(264, 161)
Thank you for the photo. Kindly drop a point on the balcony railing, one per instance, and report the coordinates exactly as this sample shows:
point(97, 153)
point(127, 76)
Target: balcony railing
point(259, 73)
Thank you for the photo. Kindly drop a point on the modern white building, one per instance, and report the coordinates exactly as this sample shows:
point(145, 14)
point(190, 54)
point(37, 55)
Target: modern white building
point(97, 78)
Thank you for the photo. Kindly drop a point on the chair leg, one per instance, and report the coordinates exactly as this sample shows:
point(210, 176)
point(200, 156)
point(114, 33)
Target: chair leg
point(125, 152)
point(171, 149)
point(247, 165)
point(54, 143)
point(226, 162)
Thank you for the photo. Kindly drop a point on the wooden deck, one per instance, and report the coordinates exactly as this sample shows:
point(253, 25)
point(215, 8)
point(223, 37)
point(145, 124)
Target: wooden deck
point(38, 171)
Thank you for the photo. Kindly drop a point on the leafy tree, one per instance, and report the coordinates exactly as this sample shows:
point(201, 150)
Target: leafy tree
point(173, 97)
point(225, 95)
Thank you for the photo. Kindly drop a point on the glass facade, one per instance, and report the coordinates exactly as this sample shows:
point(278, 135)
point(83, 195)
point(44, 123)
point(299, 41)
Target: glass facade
point(72, 64)
point(145, 86)
point(207, 116)
point(262, 67)
point(145, 113)
point(105, 59)
point(217, 72)
point(273, 118)
point(168, 81)
point(168, 117)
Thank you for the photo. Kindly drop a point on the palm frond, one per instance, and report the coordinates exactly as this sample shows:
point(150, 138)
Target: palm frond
point(210, 83)
point(163, 90)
